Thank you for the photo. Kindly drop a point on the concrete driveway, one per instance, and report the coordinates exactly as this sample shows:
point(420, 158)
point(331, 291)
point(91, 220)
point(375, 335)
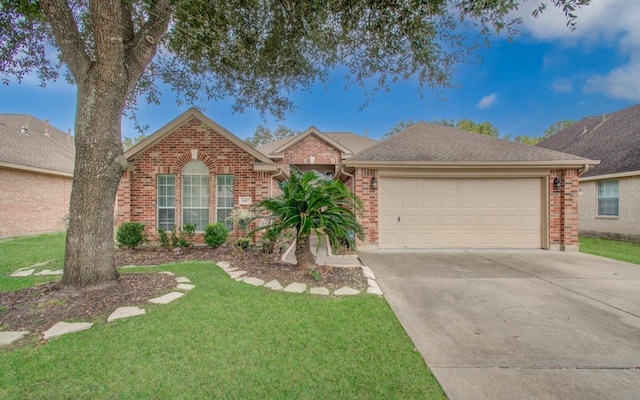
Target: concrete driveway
point(518, 324)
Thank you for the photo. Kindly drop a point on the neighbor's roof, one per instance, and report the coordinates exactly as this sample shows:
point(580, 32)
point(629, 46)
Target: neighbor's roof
point(432, 144)
point(33, 150)
point(613, 138)
point(348, 143)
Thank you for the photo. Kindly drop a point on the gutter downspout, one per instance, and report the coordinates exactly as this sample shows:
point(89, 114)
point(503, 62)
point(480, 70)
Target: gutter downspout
point(272, 178)
point(583, 170)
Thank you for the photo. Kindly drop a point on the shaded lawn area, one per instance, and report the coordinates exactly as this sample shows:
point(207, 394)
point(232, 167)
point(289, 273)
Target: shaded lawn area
point(226, 339)
point(616, 249)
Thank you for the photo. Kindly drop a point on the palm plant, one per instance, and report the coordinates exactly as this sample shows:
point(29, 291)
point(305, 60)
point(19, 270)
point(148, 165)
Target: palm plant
point(311, 203)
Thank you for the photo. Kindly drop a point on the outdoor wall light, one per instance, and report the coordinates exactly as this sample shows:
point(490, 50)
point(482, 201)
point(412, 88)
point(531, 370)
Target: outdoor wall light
point(374, 183)
point(558, 183)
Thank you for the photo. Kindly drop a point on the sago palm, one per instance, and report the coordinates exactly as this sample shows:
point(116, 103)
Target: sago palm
point(311, 203)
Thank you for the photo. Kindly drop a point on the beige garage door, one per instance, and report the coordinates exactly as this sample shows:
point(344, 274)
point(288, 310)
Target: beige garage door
point(460, 213)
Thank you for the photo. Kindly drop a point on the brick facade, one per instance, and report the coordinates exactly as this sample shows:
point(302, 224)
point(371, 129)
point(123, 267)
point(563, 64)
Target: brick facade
point(361, 184)
point(309, 152)
point(563, 210)
point(194, 140)
point(32, 203)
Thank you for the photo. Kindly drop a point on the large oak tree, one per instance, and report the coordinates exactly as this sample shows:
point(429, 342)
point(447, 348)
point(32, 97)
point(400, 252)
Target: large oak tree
point(257, 51)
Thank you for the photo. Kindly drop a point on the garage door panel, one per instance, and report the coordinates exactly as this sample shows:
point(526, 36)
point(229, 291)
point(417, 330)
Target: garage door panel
point(449, 213)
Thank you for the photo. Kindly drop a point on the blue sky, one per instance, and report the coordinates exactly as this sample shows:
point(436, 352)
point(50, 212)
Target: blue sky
point(547, 74)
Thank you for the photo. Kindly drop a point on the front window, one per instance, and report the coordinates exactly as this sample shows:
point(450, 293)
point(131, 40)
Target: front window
point(166, 201)
point(195, 194)
point(224, 200)
point(608, 198)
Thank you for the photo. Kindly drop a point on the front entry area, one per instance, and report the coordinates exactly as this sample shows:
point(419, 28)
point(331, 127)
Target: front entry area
point(461, 213)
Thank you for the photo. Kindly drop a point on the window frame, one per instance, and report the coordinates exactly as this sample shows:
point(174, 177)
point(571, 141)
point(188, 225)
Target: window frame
point(198, 191)
point(223, 211)
point(607, 199)
point(159, 206)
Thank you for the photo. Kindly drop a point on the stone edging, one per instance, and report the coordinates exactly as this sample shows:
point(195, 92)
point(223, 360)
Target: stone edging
point(239, 275)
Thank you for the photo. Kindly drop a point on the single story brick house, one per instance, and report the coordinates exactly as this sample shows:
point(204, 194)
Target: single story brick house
point(36, 172)
point(610, 192)
point(427, 187)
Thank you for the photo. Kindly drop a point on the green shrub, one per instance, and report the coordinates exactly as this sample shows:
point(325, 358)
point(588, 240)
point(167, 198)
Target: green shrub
point(215, 234)
point(131, 235)
point(177, 237)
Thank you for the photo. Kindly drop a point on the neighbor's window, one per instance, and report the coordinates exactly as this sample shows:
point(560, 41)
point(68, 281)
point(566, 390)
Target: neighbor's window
point(608, 198)
point(195, 194)
point(224, 200)
point(166, 201)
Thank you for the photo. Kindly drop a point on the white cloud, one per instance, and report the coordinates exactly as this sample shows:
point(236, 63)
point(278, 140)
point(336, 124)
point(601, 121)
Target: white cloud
point(621, 83)
point(609, 23)
point(562, 85)
point(487, 101)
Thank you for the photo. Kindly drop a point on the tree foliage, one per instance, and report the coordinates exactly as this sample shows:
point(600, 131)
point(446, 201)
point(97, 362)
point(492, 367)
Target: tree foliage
point(557, 127)
point(399, 127)
point(128, 143)
point(264, 135)
point(254, 51)
point(312, 203)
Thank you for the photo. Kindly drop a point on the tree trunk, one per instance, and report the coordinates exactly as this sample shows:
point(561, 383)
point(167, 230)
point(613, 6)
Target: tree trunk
point(304, 256)
point(99, 163)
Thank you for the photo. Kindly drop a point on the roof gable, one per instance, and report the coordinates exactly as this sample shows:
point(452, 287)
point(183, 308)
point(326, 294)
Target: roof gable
point(41, 148)
point(311, 131)
point(185, 117)
point(614, 139)
point(427, 143)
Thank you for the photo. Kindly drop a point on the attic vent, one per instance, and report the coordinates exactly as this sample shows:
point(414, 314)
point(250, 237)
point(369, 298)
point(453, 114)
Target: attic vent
point(24, 130)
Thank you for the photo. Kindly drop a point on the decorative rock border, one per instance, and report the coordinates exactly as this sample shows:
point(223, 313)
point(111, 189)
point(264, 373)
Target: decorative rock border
point(295, 287)
point(62, 327)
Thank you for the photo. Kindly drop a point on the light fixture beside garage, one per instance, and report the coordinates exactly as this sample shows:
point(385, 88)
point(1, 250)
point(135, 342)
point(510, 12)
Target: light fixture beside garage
point(374, 183)
point(558, 183)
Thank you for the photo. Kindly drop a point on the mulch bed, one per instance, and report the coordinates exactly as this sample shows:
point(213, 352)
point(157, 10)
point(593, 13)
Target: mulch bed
point(37, 309)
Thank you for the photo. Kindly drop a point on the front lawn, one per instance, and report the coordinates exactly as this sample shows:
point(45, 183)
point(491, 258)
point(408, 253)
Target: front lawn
point(618, 250)
point(224, 339)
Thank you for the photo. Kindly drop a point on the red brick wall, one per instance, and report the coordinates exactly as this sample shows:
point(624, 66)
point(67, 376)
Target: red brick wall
point(32, 203)
point(311, 146)
point(563, 210)
point(136, 199)
point(369, 196)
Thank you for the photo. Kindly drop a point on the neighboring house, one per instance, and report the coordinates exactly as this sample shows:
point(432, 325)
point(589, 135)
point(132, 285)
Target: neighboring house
point(610, 192)
point(36, 171)
point(429, 186)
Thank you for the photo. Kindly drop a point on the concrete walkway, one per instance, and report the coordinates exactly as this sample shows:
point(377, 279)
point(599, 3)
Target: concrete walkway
point(322, 254)
point(519, 324)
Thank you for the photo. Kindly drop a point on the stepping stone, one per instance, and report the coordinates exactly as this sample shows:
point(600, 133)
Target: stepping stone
point(42, 264)
point(254, 281)
point(128, 266)
point(236, 274)
point(22, 272)
point(373, 283)
point(372, 290)
point(368, 273)
point(323, 291)
point(124, 312)
point(346, 291)
point(223, 264)
point(296, 288)
point(62, 328)
point(185, 286)
point(49, 272)
point(169, 273)
point(167, 298)
point(273, 285)
point(227, 270)
point(183, 279)
point(10, 337)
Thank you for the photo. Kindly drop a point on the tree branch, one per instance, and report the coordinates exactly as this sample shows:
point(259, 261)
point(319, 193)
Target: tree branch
point(67, 37)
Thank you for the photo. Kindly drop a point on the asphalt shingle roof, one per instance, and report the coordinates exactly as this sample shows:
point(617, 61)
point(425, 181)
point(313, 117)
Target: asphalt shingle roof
point(34, 149)
point(428, 142)
point(612, 138)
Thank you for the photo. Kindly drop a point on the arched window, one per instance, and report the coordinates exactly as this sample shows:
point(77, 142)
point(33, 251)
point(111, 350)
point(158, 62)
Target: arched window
point(195, 194)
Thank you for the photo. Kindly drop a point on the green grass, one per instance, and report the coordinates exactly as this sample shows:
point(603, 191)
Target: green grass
point(618, 250)
point(21, 252)
point(226, 339)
